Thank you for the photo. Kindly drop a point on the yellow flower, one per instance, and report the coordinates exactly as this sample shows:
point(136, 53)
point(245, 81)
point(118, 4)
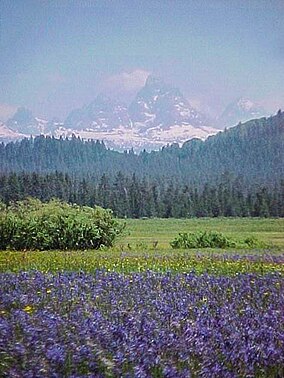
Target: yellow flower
point(48, 291)
point(28, 309)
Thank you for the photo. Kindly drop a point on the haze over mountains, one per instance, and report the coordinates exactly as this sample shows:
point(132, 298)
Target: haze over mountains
point(240, 110)
point(158, 115)
point(253, 150)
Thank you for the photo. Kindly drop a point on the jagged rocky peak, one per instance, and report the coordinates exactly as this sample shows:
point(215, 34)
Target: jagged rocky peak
point(101, 103)
point(22, 117)
point(157, 86)
point(160, 104)
point(154, 82)
point(101, 114)
point(159, 115)
point(23, 121)
point(241, 110)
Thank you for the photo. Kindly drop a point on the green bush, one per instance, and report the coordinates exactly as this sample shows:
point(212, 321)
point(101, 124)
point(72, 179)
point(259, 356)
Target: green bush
point(252, 242)
point(213, 239)
point(202, 240)
point(33, 225)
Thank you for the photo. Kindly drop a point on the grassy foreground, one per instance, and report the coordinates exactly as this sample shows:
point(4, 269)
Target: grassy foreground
point(145, 246)
point(147, 231)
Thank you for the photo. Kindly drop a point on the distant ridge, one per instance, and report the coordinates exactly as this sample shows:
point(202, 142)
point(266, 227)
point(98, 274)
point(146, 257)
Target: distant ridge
point(253, 150)
point(241, 110)
point(158, 115)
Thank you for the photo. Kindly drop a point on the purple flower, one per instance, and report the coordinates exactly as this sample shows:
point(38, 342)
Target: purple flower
point(141, 325)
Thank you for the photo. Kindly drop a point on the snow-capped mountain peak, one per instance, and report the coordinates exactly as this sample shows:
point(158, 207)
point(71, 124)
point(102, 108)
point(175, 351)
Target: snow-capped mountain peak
point(158, 115)
point(240, 110)
point(159, 104)
point(101, 114)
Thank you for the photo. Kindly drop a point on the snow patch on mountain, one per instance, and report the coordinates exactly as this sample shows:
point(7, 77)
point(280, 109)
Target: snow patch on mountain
point(158, 115)
point(241, 110)
point(8, 135)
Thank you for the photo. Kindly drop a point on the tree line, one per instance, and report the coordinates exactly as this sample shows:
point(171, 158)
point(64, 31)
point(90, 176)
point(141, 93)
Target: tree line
point(136, 197)
point(254, 150)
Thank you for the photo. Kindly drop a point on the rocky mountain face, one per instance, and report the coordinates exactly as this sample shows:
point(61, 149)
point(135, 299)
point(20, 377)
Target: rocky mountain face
point(159, 105)
point(102, 114)
point(158, 115)
point(241, 110)
point(23, 122)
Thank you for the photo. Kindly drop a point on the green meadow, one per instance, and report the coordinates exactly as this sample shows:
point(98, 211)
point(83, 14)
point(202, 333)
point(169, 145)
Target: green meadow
point(147, 231)
point(145, 245)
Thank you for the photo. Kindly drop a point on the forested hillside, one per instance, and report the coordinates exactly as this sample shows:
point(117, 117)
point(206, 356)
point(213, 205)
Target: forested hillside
point(130, 196)
point(254, 150)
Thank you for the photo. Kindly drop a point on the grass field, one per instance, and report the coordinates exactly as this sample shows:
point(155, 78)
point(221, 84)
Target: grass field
point(270, 231)
point(136, 250)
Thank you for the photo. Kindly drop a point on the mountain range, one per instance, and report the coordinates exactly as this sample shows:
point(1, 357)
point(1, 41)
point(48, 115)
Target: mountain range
point(253, 151)
point(158, 115)
point(240, 110)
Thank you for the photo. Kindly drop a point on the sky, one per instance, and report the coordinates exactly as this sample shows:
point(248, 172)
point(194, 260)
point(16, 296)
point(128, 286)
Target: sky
point(57, 55)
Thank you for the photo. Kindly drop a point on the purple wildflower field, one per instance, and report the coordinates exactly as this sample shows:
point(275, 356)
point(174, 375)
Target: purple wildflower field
point(149, 324)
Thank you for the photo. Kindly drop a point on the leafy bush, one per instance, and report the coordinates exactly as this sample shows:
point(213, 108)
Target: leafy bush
point(213, 239)
point(252, 242)
point(202, 240)
point(31, 224)
point(185, 240)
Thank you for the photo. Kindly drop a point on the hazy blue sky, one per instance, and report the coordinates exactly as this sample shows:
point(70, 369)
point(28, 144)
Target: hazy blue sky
point(57, 55)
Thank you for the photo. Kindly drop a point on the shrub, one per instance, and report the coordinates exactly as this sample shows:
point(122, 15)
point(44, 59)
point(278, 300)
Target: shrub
point(31, 224)
point(202, 240)
point(213, 239)
point(252, 242)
